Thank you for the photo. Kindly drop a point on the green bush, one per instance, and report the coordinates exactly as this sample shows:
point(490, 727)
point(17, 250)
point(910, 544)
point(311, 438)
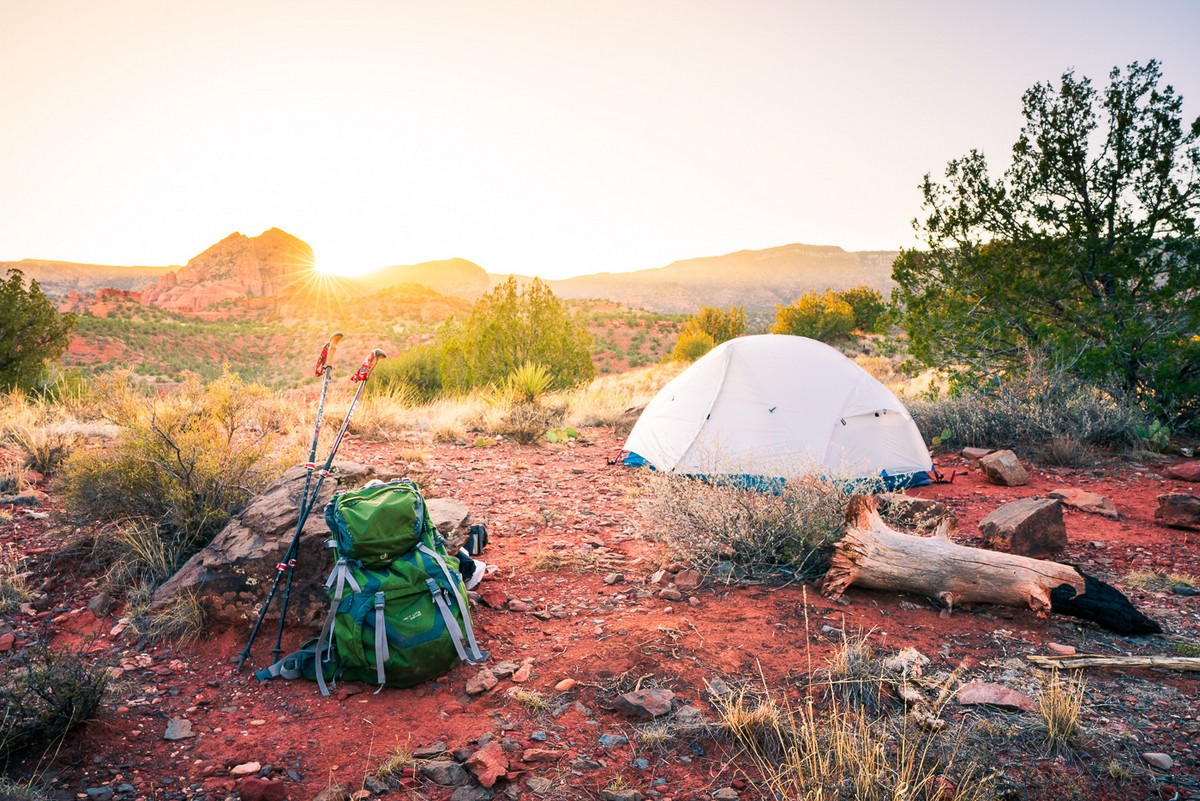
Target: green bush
point(692, 346)
point(183, 464)
point(509, 327)
point(418, 368)
point(825, 316)
point(869, 307)
point(44, 694)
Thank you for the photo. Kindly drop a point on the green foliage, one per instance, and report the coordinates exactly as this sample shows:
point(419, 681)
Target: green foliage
point(692, 346)
point(721, 324)
point(824, 316)
point(45, 694)
point(528, 383)
point(183, 463)
point(706, 329)
point(869, 306)
point(557, 435)
point(1084, 252)
point(418, 368)
point(509, 327)
point(31, 331)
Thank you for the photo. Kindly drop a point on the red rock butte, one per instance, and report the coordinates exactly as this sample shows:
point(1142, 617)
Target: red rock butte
point(235, 268)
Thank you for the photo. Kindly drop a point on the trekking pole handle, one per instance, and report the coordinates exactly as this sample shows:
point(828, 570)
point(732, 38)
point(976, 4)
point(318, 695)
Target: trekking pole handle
point(368, 365)
point(325, 360)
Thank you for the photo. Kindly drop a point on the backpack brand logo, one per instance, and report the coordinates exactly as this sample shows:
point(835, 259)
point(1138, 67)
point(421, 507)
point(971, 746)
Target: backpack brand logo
point(413, 616)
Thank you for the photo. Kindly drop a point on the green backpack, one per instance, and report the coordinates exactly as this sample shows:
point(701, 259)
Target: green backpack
point(398, 607)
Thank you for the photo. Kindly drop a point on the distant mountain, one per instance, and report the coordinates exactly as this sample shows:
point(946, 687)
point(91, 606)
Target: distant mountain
point(448, 277)
point(756, 279)
point(57, 278)
point(274, 264)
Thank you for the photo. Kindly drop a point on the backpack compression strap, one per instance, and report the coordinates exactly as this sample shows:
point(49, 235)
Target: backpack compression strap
point(341, 576)
point(381, 643)
point(474, 655)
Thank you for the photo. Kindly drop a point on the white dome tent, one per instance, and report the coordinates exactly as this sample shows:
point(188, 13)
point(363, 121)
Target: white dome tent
point(772, 407)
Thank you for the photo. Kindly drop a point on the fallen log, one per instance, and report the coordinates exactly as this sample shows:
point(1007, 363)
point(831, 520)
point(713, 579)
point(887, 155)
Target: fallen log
point(1088, 660)
point(872, 555)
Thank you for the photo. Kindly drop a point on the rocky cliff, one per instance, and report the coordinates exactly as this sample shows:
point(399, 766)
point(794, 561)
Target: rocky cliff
point(271, 265)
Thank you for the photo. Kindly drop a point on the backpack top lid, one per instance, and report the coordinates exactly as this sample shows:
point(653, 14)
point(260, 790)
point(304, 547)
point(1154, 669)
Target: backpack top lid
point(376, 523)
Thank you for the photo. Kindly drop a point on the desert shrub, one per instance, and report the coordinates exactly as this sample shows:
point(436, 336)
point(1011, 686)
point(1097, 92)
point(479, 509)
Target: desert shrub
point(1059, 707)
point(379, 417)
point(692, 345)
point(1028, 413)
point(518, 407)
point(869, 307)
point(734, 533)
point(182, 464)
point(830, 750)
point(709, 326)
point(45, 446)
point(509, 327)
point(44, 694)
point(32, 331)
point(419, 369)
point(181, 619)
point(14, 586)
point(825, 316)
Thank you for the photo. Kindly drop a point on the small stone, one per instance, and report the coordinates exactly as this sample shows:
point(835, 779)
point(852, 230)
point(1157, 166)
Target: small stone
point(493, 598)
point(99, 793)
point(481, 682)
point(516, 605)
point(542, 755)
point(246, 769)
point(975, 454)
point(1185, 471)
point(488, 763)
point(539, 785)
point(1185, 590)
point(1031, 527)
point(471, 794)
point(333, 792)
point(1060, 649)
point(979, 692)
point(253, 788)
point(621, 795)
point(1161, 761)
point(613, 740)
point(688, 580)
point(523, 673)
point(650, 703)
point(446, 773)
point(614, 578)
point(658, 576)
point(565, 686)
point(1089, 502)
point(376, 785)
point(180, 729)
point(1003, 468)
point(725, 794)
point(502, 670)
point(1178, 510)
point(6, 641)
point(641, 763)
point(717, 686)
point(670, 594)
point(430, 751)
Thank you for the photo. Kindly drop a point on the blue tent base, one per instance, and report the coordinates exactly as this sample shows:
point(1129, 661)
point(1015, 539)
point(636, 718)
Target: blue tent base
point(884, 482)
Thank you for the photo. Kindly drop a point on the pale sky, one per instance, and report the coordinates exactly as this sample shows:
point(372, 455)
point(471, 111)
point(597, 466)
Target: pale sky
point(550, 138)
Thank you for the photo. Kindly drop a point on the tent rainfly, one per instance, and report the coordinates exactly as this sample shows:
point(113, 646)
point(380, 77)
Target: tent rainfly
point(770, 407)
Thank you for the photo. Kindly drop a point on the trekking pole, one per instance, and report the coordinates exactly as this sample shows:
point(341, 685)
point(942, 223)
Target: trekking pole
point(361, 378)
point(325, 368)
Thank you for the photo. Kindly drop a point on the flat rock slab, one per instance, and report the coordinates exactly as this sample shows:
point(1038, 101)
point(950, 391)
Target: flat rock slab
point(982, 692)
point(452, 519)
point(651, 703)
point(1004, 468)
point(1178, 510)
point(1031, 527)
point(1091, 502)
point(234, 572)
point(1185, 471)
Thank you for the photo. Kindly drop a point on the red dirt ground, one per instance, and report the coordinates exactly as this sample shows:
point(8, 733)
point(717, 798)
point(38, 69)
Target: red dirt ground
point(567, 498)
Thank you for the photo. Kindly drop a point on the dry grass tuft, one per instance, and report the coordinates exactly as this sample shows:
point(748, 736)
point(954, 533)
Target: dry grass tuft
point(530, 699)
point(14, 583)
point(1060, 705)
point(399, 759)
point(181, 619)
